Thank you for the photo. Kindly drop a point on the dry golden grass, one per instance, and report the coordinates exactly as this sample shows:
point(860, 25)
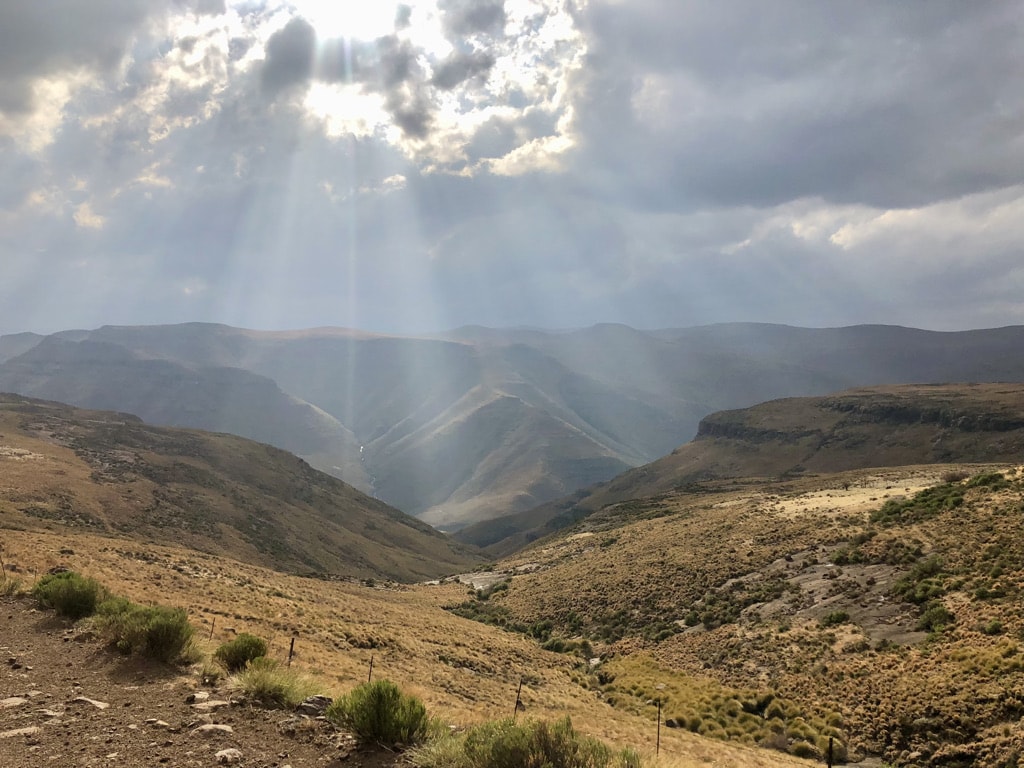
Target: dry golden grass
point(820, 635)
point(464, 671)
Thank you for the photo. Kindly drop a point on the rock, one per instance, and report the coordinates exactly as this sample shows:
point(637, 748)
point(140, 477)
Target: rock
point(212, 729)
point(314, 706)
point(84, 700)
point(13, 701)
point(229, 756)
point(192, 698)
point(206, 706)
point(19, 732)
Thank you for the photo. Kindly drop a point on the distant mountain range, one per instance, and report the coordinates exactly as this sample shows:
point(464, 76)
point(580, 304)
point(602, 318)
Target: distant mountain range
point(479, 423)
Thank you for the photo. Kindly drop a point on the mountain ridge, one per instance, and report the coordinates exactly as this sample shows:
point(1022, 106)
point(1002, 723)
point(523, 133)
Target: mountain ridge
point(411, 415)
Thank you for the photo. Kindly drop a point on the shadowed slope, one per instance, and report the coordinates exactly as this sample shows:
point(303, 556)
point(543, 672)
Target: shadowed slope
point(107, 472)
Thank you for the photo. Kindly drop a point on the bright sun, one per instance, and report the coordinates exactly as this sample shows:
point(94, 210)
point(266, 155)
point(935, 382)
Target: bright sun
point(359, 19)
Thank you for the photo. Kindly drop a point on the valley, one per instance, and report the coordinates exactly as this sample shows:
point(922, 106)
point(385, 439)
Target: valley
point(845, 568)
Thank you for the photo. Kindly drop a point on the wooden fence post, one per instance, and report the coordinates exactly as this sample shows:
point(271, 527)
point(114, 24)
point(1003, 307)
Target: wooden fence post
point(515, 709)
point(657, 746)
point(369, 677)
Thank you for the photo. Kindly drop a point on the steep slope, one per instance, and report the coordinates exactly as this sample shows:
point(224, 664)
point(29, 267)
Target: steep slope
point(881, 607)
point(869, 427)
point(94, 471)
point(15, 344)
point(105, 376)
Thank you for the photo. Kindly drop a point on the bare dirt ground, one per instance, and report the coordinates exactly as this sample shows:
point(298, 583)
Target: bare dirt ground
point(67, 701)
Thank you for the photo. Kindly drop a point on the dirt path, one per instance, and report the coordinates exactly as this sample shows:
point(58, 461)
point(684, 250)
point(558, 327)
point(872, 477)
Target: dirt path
point(67, 701)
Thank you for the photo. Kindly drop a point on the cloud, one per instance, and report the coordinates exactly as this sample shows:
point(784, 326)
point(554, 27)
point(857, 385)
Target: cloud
point(459, 67)
point(526, 163)
point(875, 104)
point(462, 18)
point(291, 52)
point(49, 37)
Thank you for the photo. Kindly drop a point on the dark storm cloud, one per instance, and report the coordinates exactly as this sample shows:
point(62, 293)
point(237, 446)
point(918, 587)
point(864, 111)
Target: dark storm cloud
point(47, 37)
point(467, 17)
point(291, 53)
point(459, 67)
point(891, 105)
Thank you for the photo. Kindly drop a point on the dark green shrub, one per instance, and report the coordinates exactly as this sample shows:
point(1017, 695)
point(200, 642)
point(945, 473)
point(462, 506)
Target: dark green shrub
point(168, 633)
point(240, 651)
point(834, 619)
point(158, 632)
point(994, 627)
point(935, 617)
point(70, 594)
point(379, 713)
point(536, 744)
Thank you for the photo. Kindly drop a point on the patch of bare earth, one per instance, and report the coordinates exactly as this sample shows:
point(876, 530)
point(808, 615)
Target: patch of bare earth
point(65, 700)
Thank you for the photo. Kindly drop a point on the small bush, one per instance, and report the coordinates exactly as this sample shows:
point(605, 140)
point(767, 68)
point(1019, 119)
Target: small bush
point(935, 617)
point(270, 684)
point(158, 632)
point(240, 651)
point(834, 619)
point(379, 713)
point(529, 744)
point(70, 594)
point(994, 627)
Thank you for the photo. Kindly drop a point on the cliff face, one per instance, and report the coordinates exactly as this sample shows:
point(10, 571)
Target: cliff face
point(869, 427)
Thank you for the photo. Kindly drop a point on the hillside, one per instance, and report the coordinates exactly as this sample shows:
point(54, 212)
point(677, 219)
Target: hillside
point(883, 603)
point(464, 671)
point(91, 471)
point(479, 423)
point(870, 427)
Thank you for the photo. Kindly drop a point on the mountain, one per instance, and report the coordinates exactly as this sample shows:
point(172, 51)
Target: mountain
point(478, 423)
point(869, 427)
point(107, 376)
point(879, 607)
point(105, 472)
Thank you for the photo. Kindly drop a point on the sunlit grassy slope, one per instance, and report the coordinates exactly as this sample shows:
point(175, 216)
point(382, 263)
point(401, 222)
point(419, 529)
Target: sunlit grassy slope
point(465, 671)
point(880, 606)
point(90, 471)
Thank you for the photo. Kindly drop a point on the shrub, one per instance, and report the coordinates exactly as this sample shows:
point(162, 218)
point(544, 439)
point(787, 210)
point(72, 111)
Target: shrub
point(935, 617)
point(380, 713)
point(158, 632)
point(70, 594)
point(530, 744)
point(994, 627)
point(834, 618)
point(270, 684)
point(240, 651)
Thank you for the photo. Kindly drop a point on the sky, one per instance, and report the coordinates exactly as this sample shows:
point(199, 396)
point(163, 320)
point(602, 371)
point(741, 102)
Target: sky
point(414, 167)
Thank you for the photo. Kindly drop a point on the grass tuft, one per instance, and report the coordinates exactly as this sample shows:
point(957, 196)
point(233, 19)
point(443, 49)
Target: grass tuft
point(271, 685)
